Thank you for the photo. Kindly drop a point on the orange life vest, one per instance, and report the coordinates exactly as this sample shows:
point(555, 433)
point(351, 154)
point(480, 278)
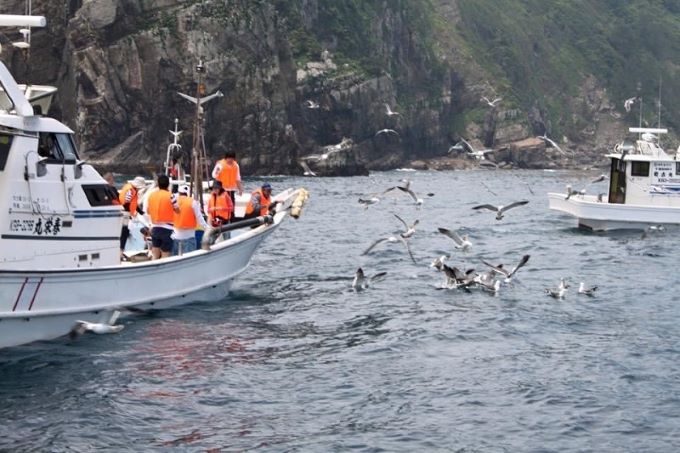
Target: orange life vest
point(264, 203)
point(220, 208)
point(185, 219)
point(133, 202)
point(228, 175)
point(160, 207)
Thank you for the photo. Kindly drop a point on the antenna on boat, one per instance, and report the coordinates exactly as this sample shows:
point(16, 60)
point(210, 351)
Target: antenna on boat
point(174, 147)
point(199, 159)
point(659, 101)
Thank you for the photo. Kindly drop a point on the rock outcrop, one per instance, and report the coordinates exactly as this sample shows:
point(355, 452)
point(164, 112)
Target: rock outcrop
point(296, 82)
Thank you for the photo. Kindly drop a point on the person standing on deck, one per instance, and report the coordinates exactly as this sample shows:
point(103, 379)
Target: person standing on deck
point(161, 207)
point(220, 207)
point(228, 173)
point(129, 198)
point(185, 222)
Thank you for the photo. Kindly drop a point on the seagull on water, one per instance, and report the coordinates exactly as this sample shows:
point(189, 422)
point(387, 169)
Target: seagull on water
point(390, 240)
point(410, 229)
point(389, 112)
point(586, 291)
point(462, 242)
point(651, 229)
point(508, 273)
point(559, 292)
point(99, 328)
point(499, 210)
point(360, 281)
point(387, 131)
point(491, 103)
point(368, 201)
point(628, 103)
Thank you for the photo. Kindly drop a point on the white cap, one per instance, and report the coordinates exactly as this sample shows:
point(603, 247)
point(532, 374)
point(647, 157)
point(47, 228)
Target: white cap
point(183, 189)
point(139, 182)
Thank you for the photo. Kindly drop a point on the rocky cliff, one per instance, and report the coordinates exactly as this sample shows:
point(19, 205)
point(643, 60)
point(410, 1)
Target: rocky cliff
point(315, 80)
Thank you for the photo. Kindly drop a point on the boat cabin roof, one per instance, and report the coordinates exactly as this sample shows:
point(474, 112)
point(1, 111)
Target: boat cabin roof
point(33, 124)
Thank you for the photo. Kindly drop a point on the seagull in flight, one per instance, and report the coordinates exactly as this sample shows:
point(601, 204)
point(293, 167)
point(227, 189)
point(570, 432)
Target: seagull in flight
point(458, 147)
point(477, 154)
point(360, 281)
point(600, 178)
point(307, 171)
point(390, 240)
point(389, 112)
point(551, 142)
point(369, 201)
point(410, 229)
point(491, 103)
point(587, 291)
point(628, 103)
point(418, 201)
point(508, 273)
point(387, 131)
point(499, 210)
point(311, 104)
point(559, 292)
point(462, 242)
point(438, 262)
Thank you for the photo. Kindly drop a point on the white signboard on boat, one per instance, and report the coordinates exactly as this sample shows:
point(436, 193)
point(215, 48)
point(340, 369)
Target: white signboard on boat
point(665, 173)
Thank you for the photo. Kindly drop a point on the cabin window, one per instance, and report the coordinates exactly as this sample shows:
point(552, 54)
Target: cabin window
point(57, 147)
point(5, 145)
point(639, 169)
point(98, 194)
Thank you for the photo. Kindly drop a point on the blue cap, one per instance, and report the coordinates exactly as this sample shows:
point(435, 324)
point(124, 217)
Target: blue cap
point(267, 186)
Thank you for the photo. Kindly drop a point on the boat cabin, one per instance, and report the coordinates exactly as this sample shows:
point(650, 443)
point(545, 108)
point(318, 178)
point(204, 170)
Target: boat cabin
point(642, 173)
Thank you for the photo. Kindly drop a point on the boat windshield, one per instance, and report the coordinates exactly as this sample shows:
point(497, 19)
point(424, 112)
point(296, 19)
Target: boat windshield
point(6, 104)
point(58, 147)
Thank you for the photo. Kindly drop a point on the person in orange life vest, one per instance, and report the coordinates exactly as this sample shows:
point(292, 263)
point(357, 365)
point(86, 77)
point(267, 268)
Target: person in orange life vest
point(161, 207)
point(228, 173)
point(220, 207)
point(185, 222)
point(129, 198)
point(259, 203)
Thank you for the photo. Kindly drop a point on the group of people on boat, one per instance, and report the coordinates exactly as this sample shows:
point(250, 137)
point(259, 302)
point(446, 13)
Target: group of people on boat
point(175, 218)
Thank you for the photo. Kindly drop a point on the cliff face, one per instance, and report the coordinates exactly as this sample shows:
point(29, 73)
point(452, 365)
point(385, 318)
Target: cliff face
point(299, 76)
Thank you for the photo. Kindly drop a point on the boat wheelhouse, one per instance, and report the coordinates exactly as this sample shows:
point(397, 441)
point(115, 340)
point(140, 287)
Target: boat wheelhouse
point(644, 188)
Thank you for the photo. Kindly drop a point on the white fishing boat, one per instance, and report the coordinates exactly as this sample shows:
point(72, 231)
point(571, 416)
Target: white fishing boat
point(644, 188)
point(59, 243)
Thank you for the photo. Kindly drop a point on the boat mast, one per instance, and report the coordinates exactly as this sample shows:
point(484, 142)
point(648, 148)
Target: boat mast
point(173, 148)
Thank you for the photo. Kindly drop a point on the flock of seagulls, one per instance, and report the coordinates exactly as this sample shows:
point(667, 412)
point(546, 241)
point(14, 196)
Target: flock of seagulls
point(489, 279)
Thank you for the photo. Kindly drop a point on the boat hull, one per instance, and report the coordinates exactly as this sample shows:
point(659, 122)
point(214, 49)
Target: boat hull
point(604, 216)
point(42, 305)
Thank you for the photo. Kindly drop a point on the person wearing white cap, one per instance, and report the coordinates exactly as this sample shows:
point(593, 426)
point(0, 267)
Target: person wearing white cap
point(186, 220)
point(129, 198)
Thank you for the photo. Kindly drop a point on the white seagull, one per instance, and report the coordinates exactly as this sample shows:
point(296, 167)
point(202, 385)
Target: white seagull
point(551, 142)
point(438, 263)
point(462, 242)
point(387, 131)
point(99, 328)
point(506, 273)
point(499, 210)
point(410, 229)
point(600, 178)
point(389, 112)
point(311, 104)
point(390, 240)
point(590, 291)
point(360, 281)
point(369, 201)
point(628, 103)
point(305, 167)
point(559, 292)
point(491, 103)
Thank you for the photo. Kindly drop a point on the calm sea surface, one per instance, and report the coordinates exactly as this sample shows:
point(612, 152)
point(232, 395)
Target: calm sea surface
point(297, 361)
